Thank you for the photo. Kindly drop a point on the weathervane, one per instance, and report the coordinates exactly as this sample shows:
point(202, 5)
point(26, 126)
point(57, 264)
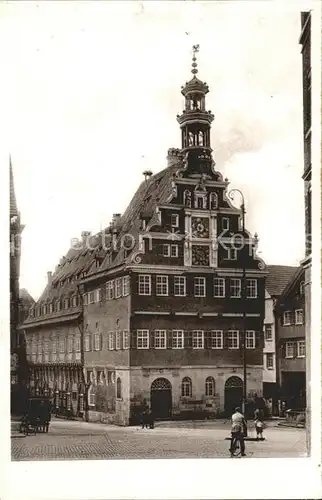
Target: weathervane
point(195, 49)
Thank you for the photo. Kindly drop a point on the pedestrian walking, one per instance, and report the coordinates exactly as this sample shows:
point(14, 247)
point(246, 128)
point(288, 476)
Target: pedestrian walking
point(238, 426)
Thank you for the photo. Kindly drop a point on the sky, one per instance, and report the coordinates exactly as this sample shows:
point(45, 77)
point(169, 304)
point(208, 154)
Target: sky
point(92, 90)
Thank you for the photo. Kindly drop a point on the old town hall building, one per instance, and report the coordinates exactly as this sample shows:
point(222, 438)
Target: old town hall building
point(156, 308)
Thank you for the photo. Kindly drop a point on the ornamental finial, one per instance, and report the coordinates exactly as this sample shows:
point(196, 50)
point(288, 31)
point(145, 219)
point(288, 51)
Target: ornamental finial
point(195, 49)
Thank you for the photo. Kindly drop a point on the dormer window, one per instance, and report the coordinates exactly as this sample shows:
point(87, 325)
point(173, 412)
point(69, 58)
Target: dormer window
point(58, 305)
point(66, 303)
point(51, 307)
point(44, 310)
point(174, 220)
point(75, 301)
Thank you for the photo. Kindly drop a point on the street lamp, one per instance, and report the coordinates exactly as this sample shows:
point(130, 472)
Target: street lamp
point(231, 195)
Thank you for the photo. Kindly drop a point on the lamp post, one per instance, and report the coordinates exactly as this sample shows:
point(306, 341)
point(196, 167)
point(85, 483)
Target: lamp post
point(231, 195)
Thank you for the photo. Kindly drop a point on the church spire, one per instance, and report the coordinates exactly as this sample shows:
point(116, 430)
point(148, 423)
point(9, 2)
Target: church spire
point(13, 202)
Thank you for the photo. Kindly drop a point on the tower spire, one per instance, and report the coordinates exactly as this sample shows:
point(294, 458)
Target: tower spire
point(13, 201)
point(195, 49)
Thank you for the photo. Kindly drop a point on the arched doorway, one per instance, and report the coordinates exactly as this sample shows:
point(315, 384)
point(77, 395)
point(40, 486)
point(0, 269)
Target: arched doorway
point(233, 394)
point(161, 398)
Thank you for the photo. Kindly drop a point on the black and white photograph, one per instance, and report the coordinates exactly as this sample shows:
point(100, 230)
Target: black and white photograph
point(161, 162)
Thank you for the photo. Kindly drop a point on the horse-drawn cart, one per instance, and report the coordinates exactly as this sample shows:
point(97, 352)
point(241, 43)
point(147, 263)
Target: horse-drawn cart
point(37, 416)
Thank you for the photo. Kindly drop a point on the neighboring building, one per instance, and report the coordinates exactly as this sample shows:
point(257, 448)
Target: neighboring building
point(305, 41)
point(164, 298)
point(26, 302)
point(53, 333)
point(277, 279)
point(18, 365)
point(291, 348)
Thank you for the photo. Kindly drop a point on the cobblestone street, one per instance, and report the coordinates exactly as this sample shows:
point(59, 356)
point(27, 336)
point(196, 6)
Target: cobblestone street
point(80, 440)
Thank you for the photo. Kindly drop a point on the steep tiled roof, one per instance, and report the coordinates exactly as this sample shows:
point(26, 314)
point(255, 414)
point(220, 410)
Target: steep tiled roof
point(155, 190)
point(278, 278)
point(13, 202)
point(80, 260)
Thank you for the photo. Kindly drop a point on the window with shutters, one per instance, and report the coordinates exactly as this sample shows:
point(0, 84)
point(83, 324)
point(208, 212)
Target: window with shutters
point(162, 285)
point(118, 288)
point(233, 339)
point(54, 345)
point(46, 346)
point(235, 288)
point(186, 387)
point(217, 341)
point(97, 341)
point(62, 346)
point(126, 285)
point(177, 339)
point(125, 339)
point(200, 287)
point(219, 287)
point(160, 339)
point(144, 284)
point(118, 340)
point(142, 339)
point(87, 343)
point(91, 298)
point(180, 286)
point(210, 386)
point(251, 289)
point(198, 339)
point(250, 339)
point(111, 341)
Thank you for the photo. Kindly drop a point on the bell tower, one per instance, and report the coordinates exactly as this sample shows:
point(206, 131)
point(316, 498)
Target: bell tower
point(195, 123)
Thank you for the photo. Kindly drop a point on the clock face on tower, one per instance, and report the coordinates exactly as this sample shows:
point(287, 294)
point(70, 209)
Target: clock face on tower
point(200, 227)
